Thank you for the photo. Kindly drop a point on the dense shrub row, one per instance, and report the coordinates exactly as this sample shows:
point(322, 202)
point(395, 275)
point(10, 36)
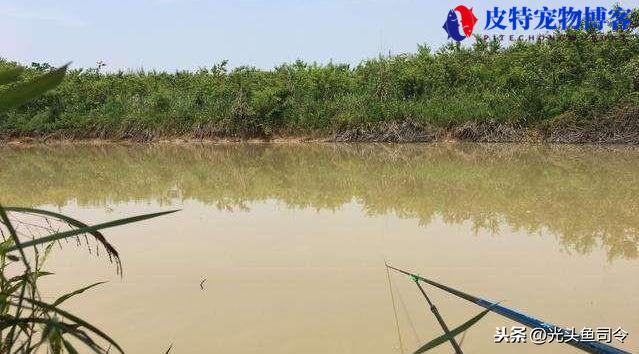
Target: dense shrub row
point(526, 84)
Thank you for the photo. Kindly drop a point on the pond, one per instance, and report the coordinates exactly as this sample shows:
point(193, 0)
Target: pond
point(280, 248)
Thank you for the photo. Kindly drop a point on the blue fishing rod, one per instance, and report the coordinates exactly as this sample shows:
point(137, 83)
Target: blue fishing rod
point(587, 346)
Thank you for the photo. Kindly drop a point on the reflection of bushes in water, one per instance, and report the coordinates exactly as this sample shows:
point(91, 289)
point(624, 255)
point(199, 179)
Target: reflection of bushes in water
point(587, 196)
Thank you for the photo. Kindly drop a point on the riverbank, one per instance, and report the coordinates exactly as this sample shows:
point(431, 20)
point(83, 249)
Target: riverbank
point(565, 91)
point(620, 128)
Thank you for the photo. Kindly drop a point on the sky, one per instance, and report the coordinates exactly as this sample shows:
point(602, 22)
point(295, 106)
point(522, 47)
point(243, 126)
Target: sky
point(187, 34)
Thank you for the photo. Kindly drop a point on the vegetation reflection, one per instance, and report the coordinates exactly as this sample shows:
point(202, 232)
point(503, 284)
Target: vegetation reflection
point(588, 197)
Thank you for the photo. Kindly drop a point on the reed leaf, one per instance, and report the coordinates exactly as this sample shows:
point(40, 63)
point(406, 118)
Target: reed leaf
point(77, 320)
point(65, 297)
point(69, 347)
point(53, 331)
point(445, 338)
point(22, 92)
point(111, 251)
point(88, 229)
point(7, 321)
point(24, 276)
point(10, 75)
point(14, 237)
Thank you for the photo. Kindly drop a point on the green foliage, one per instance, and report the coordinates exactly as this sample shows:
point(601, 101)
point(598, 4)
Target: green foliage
point(11, 75)
point(525, 84)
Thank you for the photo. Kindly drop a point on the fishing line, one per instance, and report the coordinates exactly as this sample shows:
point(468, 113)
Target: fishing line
point(418, 339)
point(390, 289)
point(393, 288)
point(461, 341)
point(390, 285)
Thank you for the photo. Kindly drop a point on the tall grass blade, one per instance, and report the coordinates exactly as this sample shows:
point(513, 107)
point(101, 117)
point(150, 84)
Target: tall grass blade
point(10, 75)
point(23, 286)
point(25, 276)
point(88, 229)
point(14, 236)
point(7, 321)
point(65, 297)
point(53, 331)
point(69, 347)
point(25, 91)
point(445, 338)
point(111, 251)
point(75, 319)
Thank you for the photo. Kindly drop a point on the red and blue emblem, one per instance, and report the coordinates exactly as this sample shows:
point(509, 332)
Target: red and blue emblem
point(460, 29)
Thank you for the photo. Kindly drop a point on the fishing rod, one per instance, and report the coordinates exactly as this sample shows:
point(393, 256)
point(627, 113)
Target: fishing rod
point(590, 347)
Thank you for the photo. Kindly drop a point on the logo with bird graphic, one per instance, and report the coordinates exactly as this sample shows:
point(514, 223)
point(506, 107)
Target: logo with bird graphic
point(460, 23)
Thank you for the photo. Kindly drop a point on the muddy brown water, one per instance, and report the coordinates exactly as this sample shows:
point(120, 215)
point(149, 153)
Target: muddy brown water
point(292, 238)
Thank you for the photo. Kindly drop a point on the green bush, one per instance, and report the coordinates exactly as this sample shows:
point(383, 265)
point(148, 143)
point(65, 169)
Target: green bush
point(525, 84)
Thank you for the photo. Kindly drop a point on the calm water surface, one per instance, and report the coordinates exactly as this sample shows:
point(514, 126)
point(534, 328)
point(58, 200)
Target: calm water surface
point(291, 240)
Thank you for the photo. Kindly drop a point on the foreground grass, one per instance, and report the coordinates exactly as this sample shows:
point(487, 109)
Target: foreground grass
point(28, 323)
point(562, 89)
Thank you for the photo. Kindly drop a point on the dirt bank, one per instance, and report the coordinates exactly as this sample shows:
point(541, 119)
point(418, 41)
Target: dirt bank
point(621, 127)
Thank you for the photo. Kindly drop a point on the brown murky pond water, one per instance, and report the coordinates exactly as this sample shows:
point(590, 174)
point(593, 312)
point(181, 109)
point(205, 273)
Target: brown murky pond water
point(292, 239)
